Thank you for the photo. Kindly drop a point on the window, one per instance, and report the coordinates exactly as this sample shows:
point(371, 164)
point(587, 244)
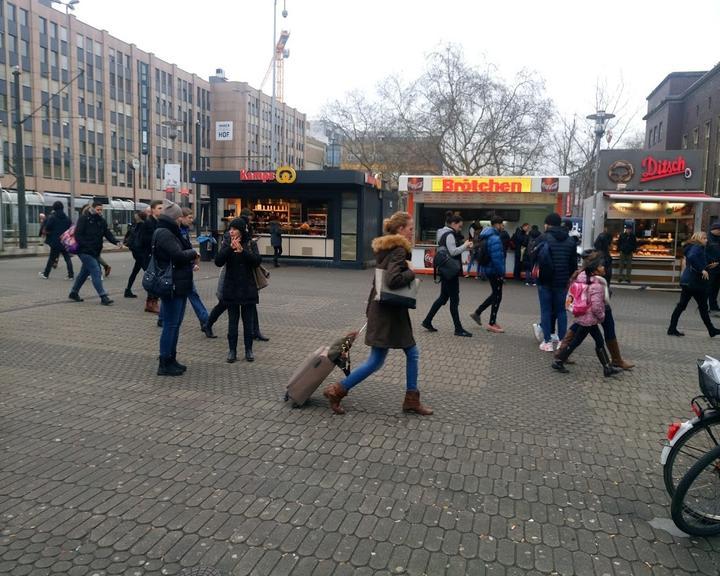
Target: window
point(23, 17)
point(660, 131)
point(695, 137)
point(11, 12)
point(707, 131)
point(684, 142)
point(42, 25)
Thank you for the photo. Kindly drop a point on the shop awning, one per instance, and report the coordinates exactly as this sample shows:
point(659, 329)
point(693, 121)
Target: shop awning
point(655, 197)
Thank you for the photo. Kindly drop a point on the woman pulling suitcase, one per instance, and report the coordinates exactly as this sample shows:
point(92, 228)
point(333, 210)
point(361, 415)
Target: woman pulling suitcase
point(388, 326)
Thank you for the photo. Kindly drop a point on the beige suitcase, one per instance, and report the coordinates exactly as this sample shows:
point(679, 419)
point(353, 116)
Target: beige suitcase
point(311, 373)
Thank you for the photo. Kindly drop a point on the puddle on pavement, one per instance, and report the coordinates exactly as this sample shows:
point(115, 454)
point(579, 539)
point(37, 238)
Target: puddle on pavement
point(668, 525)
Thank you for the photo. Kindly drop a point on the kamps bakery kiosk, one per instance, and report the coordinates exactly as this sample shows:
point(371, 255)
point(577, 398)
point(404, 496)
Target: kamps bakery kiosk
point(659, 195)
point(516, 199)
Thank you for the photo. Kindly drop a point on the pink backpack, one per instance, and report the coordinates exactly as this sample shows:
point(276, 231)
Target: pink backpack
point(67, 239)
point(577, 300)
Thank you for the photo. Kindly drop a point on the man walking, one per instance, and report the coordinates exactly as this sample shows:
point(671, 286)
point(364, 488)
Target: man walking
point(712, 253)
point(519, 240)
point(627, 244)
point(55, 225)
point(556, 256)
point(90, 231)
point(152, 302)
point(493, 268)
point(450, 289)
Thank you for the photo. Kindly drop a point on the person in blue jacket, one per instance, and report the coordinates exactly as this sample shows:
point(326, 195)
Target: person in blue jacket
point(694, 284)
point(494, 270)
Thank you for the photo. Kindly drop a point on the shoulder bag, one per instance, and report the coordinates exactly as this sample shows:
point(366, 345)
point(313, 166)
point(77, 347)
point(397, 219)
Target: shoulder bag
point(158, 281)
point(405, 297)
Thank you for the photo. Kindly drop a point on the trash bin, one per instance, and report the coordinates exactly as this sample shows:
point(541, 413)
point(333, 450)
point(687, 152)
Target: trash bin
point(208, 247)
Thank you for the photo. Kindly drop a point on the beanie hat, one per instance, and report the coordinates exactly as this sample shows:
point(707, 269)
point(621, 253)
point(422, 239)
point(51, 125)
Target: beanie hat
point(171, 210)
point(238, 224)
point(715, 225)
point(553, 219)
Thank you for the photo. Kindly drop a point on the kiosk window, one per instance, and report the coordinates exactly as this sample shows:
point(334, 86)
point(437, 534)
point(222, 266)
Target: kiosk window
point(348, 226)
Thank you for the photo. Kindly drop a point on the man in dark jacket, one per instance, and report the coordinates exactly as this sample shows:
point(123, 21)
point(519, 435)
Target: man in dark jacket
point(147, 229)
point(555, 253)
point(494, 271)
point(90, 232)
point(627, 244)
point(55, 225)
point(712, 252)
point(519, 239)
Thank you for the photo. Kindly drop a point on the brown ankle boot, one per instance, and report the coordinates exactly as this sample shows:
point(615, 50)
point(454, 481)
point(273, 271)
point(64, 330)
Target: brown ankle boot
point(335, 393)
point(152, 305)
point(617, 360)
point(412, 404)
point(564, 343)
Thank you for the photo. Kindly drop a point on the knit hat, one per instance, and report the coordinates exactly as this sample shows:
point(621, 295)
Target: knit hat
point(171, 210)
point(238, 224)
point(553, 219)
point(715, 225)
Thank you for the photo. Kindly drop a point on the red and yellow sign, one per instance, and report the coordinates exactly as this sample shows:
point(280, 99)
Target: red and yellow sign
point(485, 184)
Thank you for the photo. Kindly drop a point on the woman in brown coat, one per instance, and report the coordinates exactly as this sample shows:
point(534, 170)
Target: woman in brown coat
point(388, 326)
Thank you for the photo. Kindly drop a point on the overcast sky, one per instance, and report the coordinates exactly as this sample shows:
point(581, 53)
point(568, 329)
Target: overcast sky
point(341, 45)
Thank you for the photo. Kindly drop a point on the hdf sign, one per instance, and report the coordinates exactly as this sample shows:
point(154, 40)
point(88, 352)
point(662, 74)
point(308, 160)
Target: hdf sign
point(224, 130)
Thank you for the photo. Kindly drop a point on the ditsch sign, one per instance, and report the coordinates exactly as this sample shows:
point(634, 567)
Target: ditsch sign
point(283, 175)
point(654, 169)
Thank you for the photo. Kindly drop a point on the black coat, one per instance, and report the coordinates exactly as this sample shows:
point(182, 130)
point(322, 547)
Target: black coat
point(712, 252)
point(171, 247)
point(627, 243)
point(55, 225)
point(562, 252)
point(90, 231)
point(145, 236)
point(239, 285)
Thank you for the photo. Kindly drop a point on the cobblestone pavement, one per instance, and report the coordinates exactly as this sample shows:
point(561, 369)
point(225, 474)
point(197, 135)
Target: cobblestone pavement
point(109, 469)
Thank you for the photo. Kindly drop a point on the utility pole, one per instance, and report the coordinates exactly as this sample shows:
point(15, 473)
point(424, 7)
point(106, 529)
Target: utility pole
point(20, 162)
point(198, 167)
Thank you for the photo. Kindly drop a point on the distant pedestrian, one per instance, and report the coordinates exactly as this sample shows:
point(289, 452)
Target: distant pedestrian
point(554, 252)
point(474, 236)
point(627, 244)
point(132, 241)
point(694, 283)
point(186, 223)
point(712, 253)
point(519, 241)
point(276, 241)
point(494, 271)
point(249, 217)
point(451, 239)
point(590, 279)
point(90, 231)
point(147, 230)
point(528, 260)
point(388, 326)
point(602, 244)
point(171, 249)
point(239, 256)
point(54, 226)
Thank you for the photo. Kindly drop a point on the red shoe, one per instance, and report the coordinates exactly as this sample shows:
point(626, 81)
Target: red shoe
point(496, 328)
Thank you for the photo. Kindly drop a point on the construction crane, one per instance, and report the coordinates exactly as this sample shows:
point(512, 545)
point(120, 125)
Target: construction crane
point(278, 60)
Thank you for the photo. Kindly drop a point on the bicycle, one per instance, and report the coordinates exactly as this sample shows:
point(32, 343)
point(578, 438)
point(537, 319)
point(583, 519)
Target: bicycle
point(695, 507)
point(689, 441)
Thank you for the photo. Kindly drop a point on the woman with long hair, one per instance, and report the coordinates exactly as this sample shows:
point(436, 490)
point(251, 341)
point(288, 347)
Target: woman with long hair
point(694, 283)
point(388, 326)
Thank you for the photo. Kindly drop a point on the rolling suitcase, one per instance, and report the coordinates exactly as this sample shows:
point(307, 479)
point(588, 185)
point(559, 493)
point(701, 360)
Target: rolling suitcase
point(317, 366)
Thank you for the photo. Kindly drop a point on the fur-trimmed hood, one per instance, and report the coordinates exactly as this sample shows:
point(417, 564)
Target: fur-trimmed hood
point(390, 242)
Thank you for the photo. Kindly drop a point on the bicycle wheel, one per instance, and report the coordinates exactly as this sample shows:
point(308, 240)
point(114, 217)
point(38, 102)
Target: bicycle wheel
point(693, 445)
point(695, 506)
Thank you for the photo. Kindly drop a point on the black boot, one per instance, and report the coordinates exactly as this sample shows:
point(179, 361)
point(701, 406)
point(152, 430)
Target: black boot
point(249, 356)
point(129, 293)
point(207, 328)
point(105, 301)
point(608, 368)
point(231, 356)
point(258, 336)
point(177, 364)
point(560, 358)
point(165, 368)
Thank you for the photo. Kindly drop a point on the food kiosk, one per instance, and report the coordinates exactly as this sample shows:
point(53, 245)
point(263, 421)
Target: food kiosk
point(327, 218)
point(658, 195)
point(516, 199)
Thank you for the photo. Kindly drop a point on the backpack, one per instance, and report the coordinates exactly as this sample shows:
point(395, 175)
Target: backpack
point(443, 264)
point(132, 238)
point(67, 239)
point(543, 268)
point(482, 254)
point(577, 300)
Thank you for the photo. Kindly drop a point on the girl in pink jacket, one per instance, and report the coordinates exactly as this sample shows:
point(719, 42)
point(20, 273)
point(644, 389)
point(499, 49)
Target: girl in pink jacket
point(590, 316)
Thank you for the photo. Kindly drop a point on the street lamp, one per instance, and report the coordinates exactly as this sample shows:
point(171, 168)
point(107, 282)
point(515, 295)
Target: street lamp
point(600, 118)
point(70, 5)
point(273, 104)
point(173, 127)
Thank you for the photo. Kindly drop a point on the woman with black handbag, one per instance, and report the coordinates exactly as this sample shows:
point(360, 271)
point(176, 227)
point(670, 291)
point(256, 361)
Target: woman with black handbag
point(694, 284)
point(240, 256)
point(169, 248)
point(388, 326)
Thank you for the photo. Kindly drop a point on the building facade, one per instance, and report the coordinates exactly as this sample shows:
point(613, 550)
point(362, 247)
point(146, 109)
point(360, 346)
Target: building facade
point(683, 113)
point(131, 113)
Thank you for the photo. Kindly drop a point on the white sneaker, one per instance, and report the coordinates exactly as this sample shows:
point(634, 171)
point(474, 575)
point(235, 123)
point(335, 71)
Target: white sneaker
point(547, 347)
point(555, 339)
point(537, 332)
point(42, 275)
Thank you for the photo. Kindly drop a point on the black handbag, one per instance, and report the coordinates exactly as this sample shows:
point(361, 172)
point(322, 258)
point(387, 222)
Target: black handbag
point(158, 281)
point(445, 265)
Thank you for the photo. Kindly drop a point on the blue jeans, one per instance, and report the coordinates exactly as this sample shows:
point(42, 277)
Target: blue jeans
point(173, 310)
point(197, 305)
point(90, 267)
point(376, 360)
point(552, 305)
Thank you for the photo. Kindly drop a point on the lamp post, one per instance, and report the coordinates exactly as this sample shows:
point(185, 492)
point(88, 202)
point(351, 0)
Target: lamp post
point(19, 162)
point(70, 5)
point(173, 127)
point(600, 118)
point(273, 99)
